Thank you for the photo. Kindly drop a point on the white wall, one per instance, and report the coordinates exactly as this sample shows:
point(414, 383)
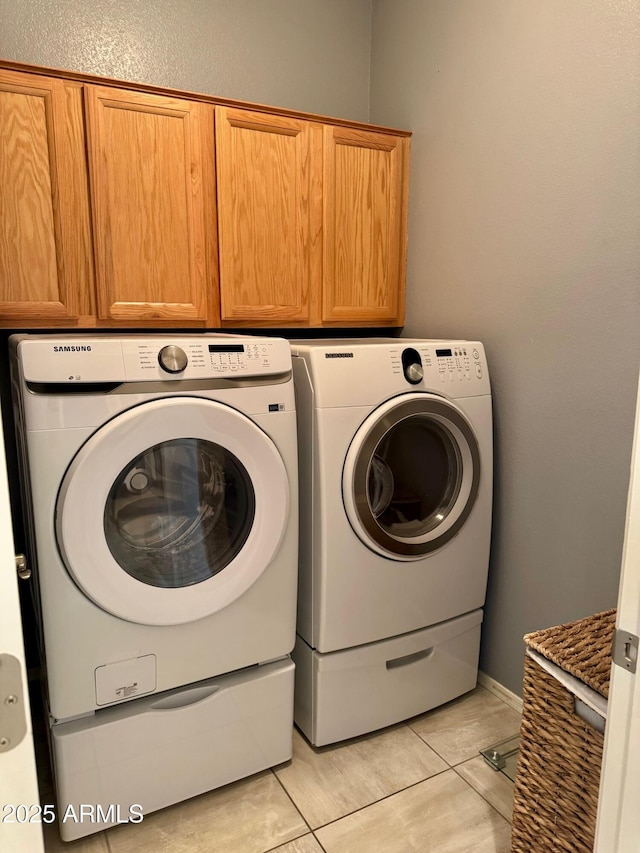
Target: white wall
point(524, 231)
point(311, 55)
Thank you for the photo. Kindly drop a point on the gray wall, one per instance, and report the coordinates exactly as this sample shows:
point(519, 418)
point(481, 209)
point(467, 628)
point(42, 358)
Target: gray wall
point(311, 55)
point(524, 231)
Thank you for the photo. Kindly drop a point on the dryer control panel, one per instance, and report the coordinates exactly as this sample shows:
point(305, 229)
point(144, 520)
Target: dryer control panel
point(363, 371)
point(101, 358)
point(446, 363)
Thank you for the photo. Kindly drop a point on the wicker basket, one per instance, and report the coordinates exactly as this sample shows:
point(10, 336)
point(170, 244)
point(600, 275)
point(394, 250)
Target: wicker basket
point(558, 775)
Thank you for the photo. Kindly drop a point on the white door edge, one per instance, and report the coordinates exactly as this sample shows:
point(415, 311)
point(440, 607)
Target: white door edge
point(18, 778)
point(618, 823)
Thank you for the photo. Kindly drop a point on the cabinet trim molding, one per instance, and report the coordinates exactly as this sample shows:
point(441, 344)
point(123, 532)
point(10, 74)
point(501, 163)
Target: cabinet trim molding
point(78, 77)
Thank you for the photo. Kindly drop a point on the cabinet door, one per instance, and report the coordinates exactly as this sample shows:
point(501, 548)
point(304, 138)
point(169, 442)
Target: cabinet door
point(270, 217)
point(365, 200)
point(46, 272)
point(151, 171)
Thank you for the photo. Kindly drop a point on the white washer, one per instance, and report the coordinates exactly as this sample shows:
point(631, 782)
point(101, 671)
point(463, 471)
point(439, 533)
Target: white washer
point(160, 485)
point(396, 457)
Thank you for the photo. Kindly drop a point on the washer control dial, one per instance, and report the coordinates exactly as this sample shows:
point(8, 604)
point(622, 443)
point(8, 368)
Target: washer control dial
point(172, 359)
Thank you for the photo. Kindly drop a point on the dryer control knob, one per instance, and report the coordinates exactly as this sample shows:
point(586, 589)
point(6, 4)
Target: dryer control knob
point(172, 359)
point(414, 373)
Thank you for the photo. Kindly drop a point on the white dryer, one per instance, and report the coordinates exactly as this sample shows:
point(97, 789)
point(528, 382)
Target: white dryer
point(160, 485)
point(395, 460)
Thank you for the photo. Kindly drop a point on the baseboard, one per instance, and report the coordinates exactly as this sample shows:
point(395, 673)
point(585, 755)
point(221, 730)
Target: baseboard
point(500, 691)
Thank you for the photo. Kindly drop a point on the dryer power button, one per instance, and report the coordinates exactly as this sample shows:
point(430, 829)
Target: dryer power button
point(172, 359)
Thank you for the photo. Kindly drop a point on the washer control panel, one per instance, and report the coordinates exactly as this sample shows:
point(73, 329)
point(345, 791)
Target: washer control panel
point(71, 359)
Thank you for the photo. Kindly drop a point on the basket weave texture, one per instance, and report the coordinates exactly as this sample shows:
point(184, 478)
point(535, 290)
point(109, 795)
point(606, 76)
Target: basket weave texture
point(560, 757)
point(582, 648)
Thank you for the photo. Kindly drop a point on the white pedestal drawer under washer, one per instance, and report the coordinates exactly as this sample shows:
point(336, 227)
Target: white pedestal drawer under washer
point(160, 491)
point(395, 460)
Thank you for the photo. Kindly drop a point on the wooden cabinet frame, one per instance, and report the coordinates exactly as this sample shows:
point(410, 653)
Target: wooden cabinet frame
point(112, 214)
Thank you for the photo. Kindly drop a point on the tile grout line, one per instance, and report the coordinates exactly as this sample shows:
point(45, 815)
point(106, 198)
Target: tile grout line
point(456, 701)
point(292, 801)
point(320, 844)
point(479, 793)
point(405, 724)
point(313, 830)
point(382, 799)
point(426, 742)
point(408, 787)
point(290, 841)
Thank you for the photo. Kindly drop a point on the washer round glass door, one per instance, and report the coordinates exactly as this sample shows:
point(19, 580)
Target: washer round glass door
point(171, 510)
point(411, 476)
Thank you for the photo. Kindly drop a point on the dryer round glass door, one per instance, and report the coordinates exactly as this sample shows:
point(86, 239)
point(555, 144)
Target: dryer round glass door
point(411, 476)
point(171, 510)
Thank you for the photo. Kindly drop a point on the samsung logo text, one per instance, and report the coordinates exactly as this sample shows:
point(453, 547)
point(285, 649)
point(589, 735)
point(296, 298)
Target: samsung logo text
point(338, 355)
point(73, 349)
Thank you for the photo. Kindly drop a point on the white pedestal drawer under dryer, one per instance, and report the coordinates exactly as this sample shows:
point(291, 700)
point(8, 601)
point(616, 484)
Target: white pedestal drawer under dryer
point(395, 461)
point(160, 484)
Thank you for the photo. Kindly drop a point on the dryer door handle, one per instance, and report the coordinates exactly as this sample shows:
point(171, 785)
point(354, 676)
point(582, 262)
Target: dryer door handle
point(405, 660)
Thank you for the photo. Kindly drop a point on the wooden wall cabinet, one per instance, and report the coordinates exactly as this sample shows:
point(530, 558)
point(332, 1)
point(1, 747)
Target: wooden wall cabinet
point(151, 173)
point(124, 207)
point(312, 222)
point(269, 218)
point(364, 195)
point(46, 263)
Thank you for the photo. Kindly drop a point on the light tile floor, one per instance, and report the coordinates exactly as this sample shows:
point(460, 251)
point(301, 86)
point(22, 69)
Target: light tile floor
point(418, 786)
